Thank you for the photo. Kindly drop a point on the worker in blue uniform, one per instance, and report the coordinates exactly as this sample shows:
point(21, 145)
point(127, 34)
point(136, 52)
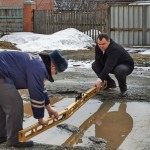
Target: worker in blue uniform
point(20, 70)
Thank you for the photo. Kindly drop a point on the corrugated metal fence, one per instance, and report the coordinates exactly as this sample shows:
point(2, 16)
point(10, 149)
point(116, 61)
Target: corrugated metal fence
point(130, 25)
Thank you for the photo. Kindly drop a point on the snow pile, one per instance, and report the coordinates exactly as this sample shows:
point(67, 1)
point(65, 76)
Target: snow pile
point(68, 39)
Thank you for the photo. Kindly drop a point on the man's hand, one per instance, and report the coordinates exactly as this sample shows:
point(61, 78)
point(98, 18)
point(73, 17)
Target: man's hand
point(43, 121)
point(52, 112)
point(98, 85)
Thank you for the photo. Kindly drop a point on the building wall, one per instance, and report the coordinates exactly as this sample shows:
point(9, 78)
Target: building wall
point(11, 3)
point(40, 4)
point(44, 4)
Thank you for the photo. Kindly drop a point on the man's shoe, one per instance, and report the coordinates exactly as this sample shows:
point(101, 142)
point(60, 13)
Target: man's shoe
point(21, 144)
point(3, 139)
point(123, 94)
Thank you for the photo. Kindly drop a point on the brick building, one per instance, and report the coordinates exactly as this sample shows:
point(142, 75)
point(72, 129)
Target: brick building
point(40, 4)
point(11, 3)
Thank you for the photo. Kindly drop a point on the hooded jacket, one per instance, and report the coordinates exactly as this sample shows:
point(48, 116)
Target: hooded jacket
point(114, 55)
point(26, 71)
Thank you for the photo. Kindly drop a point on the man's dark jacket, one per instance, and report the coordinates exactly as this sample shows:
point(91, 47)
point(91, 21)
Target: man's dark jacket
point(114, 55)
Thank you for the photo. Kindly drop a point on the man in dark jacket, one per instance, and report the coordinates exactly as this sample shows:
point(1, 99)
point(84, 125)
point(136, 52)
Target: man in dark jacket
point(110, 57)
point(19, 70)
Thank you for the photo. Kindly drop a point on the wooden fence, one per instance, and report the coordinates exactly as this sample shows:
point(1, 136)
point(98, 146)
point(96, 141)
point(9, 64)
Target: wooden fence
point(89, 22)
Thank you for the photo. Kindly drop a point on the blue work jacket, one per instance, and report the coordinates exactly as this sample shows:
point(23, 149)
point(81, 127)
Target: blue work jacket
point(26, 71)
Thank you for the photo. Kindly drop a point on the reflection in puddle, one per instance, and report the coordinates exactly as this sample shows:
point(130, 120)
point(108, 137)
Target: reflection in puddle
point(111, 126)
point(114, 122)
point(125, 126)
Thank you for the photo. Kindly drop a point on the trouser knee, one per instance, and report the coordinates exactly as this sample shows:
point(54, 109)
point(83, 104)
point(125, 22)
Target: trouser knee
point(119, 72)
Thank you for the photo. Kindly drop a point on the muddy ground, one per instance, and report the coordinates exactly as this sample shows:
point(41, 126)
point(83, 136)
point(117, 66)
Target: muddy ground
point(82, 79)
point(78, 79)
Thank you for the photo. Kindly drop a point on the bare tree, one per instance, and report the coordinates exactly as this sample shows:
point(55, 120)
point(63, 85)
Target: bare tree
point(74, 4)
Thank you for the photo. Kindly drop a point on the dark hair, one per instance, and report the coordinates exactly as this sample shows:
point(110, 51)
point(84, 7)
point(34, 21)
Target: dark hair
point(47, 61)
point(103, 35)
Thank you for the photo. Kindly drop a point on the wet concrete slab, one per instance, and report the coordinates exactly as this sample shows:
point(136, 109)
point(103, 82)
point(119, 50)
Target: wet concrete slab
point(124, 125)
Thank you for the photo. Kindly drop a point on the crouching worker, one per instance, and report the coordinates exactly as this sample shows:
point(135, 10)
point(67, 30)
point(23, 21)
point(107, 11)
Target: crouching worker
point(19, 70)
point(110, 57)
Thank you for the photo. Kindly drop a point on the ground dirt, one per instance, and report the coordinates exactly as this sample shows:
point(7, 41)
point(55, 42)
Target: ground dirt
point(81, 79)
point(7, 45)
point(69, 83)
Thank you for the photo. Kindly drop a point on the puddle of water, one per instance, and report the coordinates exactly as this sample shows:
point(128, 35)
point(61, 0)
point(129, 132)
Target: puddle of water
point(27, 105)
point(27, 109)
point(124, 125)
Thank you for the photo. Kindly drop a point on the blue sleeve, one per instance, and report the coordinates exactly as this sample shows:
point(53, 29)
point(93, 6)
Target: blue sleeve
point(38, 94)
point(47, 100)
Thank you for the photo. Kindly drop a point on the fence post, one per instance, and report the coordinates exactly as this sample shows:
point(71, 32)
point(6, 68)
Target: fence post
point(29, 6)
point(144, 20)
